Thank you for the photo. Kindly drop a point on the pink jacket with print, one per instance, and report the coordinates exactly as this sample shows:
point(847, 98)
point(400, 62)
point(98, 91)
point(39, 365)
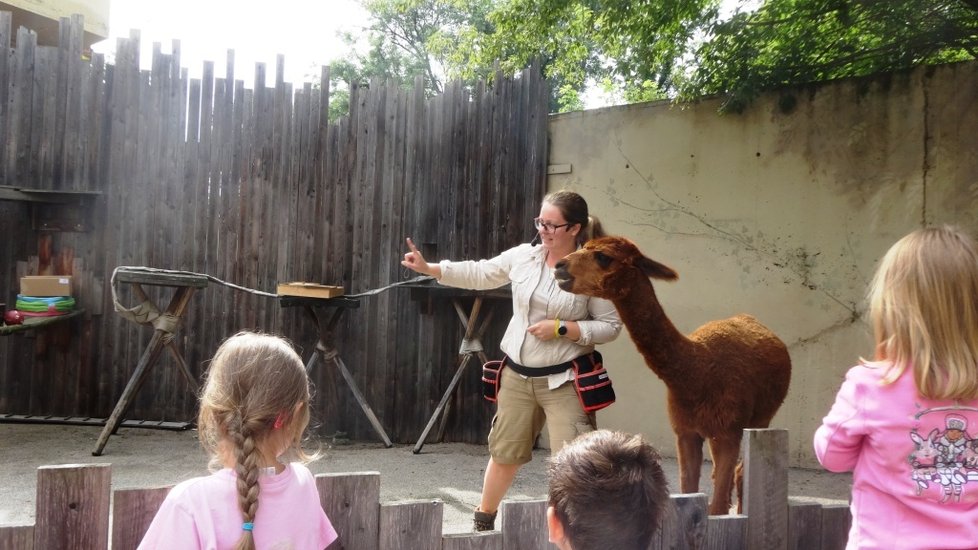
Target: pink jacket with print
point(914, 462)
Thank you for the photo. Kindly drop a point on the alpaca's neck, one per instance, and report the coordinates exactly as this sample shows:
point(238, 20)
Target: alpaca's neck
point(653, 333)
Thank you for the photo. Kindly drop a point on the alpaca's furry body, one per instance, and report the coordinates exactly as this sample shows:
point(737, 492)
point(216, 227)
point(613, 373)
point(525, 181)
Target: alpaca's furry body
point(727, 375)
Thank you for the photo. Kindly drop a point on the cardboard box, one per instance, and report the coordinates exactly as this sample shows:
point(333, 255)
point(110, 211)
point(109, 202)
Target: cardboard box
point(46, 285)
point(309, 290)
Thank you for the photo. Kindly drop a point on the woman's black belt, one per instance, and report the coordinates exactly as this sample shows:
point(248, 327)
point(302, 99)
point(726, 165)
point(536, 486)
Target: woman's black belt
point(538, 371)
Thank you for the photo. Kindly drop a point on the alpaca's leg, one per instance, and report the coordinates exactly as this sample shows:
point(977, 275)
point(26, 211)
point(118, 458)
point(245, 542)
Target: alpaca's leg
point(689, 450)
point(725, 451)
point(739, 483)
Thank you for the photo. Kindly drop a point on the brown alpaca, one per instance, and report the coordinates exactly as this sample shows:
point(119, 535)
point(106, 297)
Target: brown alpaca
point(727, 375)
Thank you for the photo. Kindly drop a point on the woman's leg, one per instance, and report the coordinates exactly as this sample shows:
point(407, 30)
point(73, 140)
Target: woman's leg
point(514, 427)
point(497, 481)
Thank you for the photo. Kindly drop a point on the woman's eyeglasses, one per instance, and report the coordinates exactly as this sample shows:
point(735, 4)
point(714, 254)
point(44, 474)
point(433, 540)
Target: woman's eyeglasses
point(546, 226)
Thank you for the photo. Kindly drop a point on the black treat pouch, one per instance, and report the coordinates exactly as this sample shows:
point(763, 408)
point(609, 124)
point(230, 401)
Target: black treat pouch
point(490, 379)
point(592, 382)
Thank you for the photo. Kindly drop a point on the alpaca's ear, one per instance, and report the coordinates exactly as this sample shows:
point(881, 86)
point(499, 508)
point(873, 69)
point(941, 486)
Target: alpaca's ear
point(655, 270)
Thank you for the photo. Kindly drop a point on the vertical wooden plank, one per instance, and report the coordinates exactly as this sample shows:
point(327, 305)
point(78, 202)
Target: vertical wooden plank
point(485, 540)
point(352, 503)
point(726, 533)
point(18, 138)
point(43, 117)
point(836, 521)
point(6, 83)
point(766, 488)
point(19, 537)
point(684, 523)
point(412, 524)
point(804, 524)
point(72, 506)
point(132, 512)
point(323, 158)
point(524, 524)
point(261, 214)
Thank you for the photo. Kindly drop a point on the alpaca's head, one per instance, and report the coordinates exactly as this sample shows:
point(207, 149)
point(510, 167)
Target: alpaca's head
point(608, 267)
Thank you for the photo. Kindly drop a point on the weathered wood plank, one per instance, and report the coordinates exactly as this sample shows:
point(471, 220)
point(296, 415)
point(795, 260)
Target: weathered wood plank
point(684, 523)
point(765, 500)
point(411, 524)
point(485, 540)
point(20, 537)
point(352, 503)
point(804, 524)
point(524, 524)
point(726, 533)
point(72, 506)
point(132, 512)
point(836, 521)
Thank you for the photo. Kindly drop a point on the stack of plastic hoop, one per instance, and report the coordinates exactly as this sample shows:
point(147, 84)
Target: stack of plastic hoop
point(44, 306)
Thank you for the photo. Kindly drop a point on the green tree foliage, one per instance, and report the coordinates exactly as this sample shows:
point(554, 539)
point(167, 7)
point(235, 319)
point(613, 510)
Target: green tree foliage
point(789, 42)
point(407, 39)
point(644, 49)
point(631, 46)
point(638, 50)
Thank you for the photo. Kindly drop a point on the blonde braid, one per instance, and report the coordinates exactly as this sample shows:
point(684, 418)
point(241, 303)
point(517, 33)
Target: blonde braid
point(247, 467)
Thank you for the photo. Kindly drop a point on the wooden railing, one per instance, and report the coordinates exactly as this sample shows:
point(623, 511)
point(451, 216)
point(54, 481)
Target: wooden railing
point(75, 503)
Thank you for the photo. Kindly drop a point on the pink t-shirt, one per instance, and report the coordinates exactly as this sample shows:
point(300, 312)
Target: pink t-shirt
point(914, 462)
point(203, 513)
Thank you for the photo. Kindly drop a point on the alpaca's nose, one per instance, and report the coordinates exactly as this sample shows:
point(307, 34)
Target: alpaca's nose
point(560, 264)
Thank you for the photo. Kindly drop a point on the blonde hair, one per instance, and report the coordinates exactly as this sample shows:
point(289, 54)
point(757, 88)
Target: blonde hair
point(923, 305)
point(253, 381)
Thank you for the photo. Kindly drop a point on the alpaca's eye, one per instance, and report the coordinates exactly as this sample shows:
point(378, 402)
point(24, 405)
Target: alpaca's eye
point(603, 260)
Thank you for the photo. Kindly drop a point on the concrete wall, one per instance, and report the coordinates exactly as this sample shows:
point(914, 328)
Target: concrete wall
point(782, 212)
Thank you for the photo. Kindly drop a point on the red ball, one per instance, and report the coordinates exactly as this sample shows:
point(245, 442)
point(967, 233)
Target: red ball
point(13, 317)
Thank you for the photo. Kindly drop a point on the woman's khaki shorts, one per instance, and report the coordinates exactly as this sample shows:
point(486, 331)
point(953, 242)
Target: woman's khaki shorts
point(523, 405)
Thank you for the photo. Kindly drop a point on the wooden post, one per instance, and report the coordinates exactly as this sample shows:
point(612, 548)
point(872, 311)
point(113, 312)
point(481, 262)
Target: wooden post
point(132, 512)
point(684, 523)
point(17, 536)
point(352, 503)
point(804, 524)
point(726, 533)
point(481, 540)
point(836, 520)
point(414, 524)
point(72, 506)
point(766, 488)
point(524, 524)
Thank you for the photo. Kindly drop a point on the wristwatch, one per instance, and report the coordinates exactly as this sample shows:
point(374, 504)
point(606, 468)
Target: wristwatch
point(562, 329)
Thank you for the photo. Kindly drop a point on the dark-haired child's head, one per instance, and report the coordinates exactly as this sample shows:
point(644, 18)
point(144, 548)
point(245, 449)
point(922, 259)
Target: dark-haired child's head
point(607, 490)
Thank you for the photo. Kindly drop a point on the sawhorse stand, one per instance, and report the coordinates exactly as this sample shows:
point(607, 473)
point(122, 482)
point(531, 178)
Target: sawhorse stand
point(326, 349)
point(165, 326)
point(471, 346)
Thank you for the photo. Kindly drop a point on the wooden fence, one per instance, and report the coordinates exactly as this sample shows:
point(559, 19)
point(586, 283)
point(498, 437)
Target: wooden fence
point(74, 509)
point(107, 165)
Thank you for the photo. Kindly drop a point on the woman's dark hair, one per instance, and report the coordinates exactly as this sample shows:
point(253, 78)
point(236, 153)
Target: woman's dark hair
point(574, 209)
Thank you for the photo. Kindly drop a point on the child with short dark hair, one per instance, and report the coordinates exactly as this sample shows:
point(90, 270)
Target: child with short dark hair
point(254, 409)
point(607, 490)
point(902, 422)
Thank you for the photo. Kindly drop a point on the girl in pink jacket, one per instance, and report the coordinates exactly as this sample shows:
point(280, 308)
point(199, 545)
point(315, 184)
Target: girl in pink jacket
point(906, 423)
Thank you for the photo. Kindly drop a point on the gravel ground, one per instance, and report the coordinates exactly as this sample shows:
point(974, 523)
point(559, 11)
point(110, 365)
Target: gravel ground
point(451, 472)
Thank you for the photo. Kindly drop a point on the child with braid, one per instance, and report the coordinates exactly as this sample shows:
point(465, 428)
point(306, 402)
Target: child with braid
point(254, 409)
